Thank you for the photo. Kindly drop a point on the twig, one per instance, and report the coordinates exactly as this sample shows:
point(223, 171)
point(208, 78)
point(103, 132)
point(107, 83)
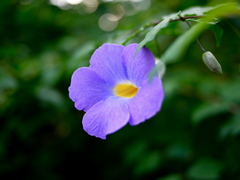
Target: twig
point(157, 22)
point(179, 19)
point(185, 20)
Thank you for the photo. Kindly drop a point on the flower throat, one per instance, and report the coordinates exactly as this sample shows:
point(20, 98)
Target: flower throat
point(125, 90)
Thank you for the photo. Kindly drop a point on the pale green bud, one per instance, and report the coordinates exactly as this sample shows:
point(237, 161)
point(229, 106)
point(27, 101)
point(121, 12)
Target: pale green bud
point(211, 62)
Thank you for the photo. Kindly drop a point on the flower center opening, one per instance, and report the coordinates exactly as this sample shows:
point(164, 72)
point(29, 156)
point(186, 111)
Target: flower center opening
point(125, 90)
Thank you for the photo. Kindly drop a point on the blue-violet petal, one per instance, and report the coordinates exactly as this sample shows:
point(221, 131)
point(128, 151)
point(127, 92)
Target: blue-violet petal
point(138, 65)
point(87, 88)
point(106, 117)
point(107, 62)
point(147, 102)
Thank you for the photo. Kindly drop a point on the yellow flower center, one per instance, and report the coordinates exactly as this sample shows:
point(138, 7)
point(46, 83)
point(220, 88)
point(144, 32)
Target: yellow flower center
point(125, 90)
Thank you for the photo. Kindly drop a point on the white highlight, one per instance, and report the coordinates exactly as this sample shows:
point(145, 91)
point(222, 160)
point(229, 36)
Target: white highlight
point(108, 22)
point(74, 2)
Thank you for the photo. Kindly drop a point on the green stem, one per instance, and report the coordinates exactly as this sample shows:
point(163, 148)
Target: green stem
point(185, 20)
point(179, 19)
point(157, 22)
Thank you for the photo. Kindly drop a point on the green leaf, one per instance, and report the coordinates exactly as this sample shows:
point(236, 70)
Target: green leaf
point(50, 96)
point(171, 177)
point(135, 151)
point(207, 110)
point(149, 162)
point(153, 32)
point(230, 91)
point(205, 169)
point(80, 57)
point(218, 32)
point(136, 33)
point(200, 11)
point(196, 11)
point(180, 151)
point(179, 47)
point(213, 22)
point(231, 127)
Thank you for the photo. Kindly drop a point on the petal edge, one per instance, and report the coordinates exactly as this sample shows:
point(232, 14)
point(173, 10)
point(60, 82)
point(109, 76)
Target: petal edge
point(147, 102)
point(87, 88)
point(106, 117)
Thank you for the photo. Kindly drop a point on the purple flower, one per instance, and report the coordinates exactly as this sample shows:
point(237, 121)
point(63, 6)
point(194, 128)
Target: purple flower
point(115, 89)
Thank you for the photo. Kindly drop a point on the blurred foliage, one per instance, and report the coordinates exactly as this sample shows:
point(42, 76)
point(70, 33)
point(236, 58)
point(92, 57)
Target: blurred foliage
point(195, 136)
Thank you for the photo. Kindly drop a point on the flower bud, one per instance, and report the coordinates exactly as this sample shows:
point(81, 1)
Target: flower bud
point(211, 62)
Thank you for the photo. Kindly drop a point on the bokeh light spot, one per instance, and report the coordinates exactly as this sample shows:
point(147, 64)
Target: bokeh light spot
point(108, 22)
point(74, 2)
point(91, 5)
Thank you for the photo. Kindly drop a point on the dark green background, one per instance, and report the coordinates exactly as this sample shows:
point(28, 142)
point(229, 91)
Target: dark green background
point(195, 136)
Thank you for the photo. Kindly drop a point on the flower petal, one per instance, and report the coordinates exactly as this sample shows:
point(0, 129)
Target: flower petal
point(107, 62)
point(138, 67)
point(87, 88)
point(147, 102)
point(106, 117)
